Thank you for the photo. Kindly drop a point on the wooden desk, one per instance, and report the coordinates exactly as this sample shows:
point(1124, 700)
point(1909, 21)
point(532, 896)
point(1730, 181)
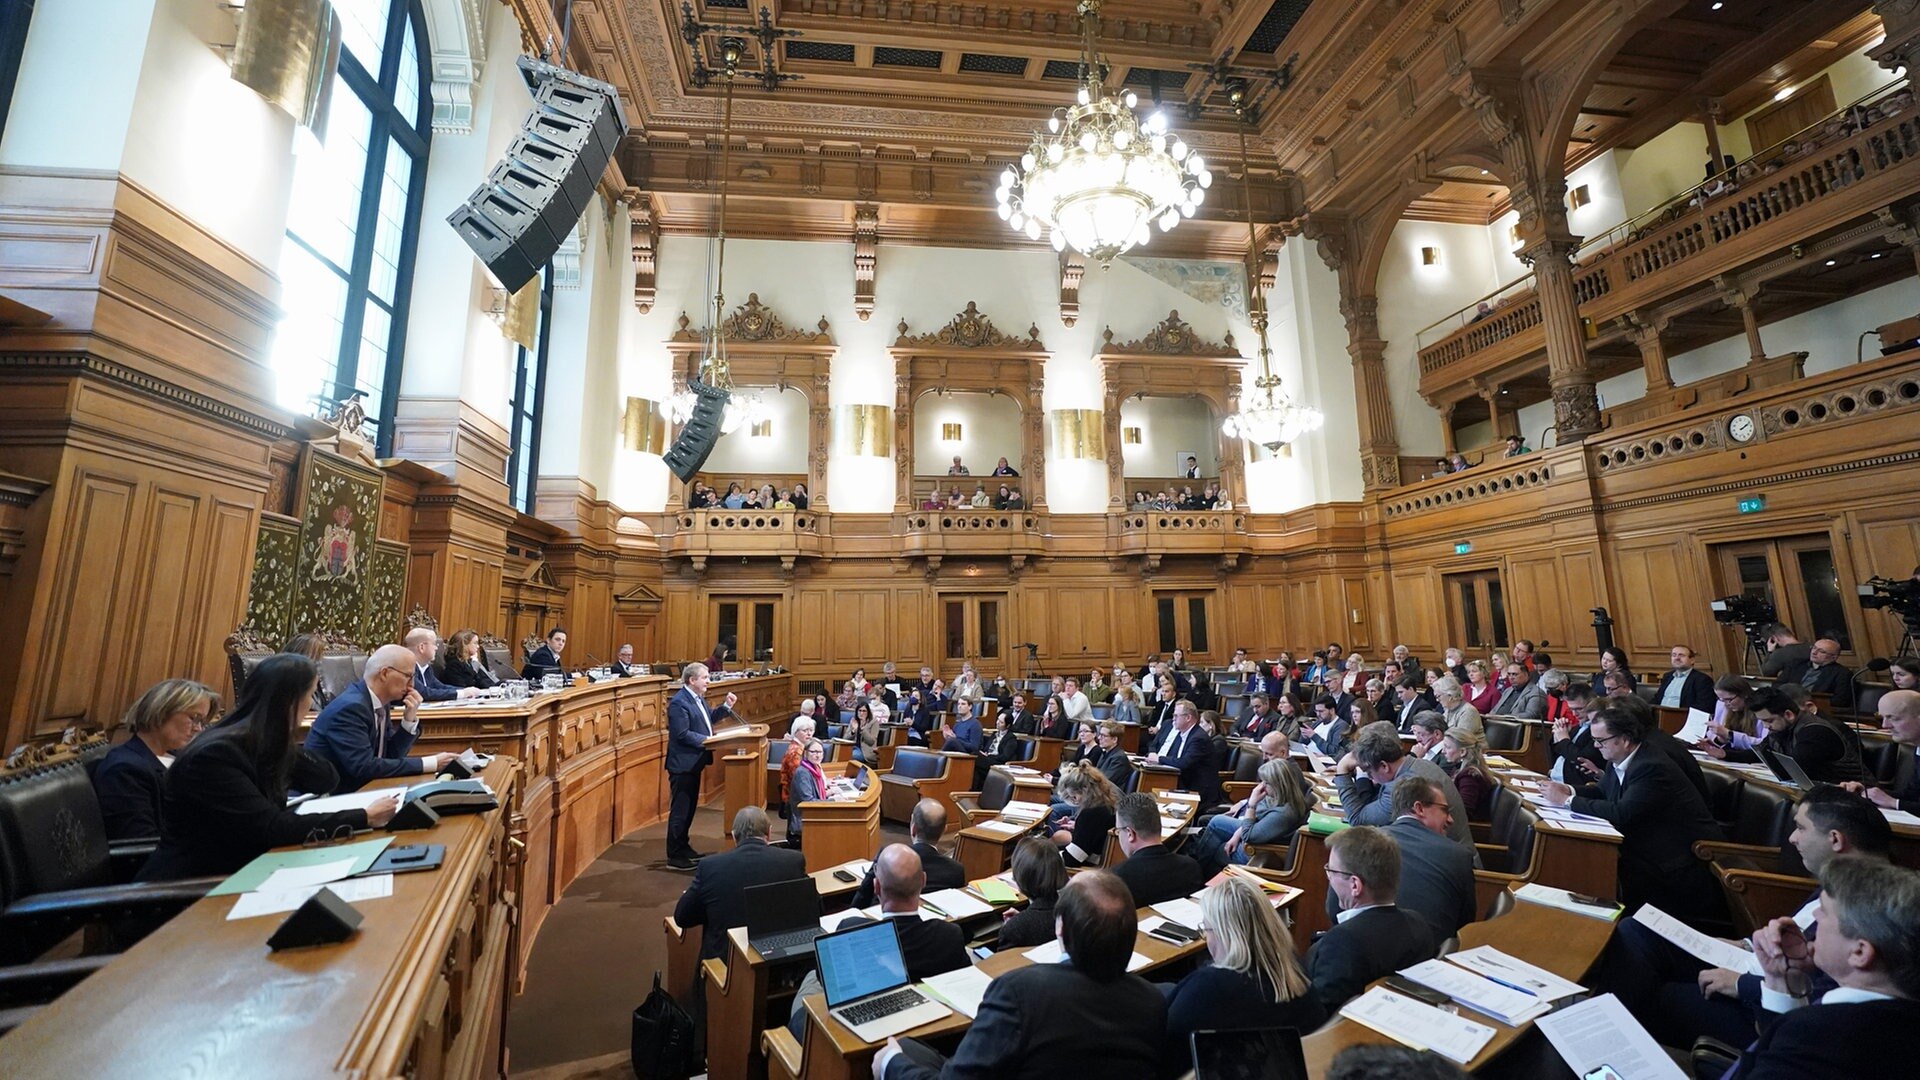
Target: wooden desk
point(739, 989)
point(741, 754)
point(838, 831)
point(1566, 944)
point(420, 989)
point(1158, 779)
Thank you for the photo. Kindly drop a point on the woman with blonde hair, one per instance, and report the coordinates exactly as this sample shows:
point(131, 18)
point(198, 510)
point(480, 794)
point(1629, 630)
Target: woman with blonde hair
point(1255, 978)
point(131, 780)
point(1271, 813)
point(1466, 754)
point(1082, 839)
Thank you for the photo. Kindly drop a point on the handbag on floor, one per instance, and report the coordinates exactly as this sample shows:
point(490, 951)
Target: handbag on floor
point(663, 1038)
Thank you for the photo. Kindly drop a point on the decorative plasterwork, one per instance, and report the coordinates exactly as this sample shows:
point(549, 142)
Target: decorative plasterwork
point(866, 257)
point(457, 35)
point(645, 236)
point(1171, 337)
point(756, 322)
point(1072, 269)
point(969, 330)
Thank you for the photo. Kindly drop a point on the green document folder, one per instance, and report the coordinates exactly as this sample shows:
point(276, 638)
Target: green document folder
point(249, 877)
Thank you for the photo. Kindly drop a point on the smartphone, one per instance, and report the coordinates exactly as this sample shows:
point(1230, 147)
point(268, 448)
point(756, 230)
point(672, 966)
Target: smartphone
point(844, 874)
point(1591, 901)
point(1602, 1072)
point(1174, 934)
point(409, 853)
point(1408, 988)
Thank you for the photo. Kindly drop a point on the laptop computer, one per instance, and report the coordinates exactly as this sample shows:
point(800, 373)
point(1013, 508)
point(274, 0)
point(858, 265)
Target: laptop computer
point(1785, 769)
point(865, 976)
point(1248, 1054)
point(783, 918)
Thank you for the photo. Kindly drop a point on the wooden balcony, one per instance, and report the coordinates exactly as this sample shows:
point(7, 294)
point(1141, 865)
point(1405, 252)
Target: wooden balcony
point(1809, 197)
point(938, 534)
point(697, 535)
point(1155, 534)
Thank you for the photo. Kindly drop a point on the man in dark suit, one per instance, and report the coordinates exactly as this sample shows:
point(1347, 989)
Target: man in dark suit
point(357, 734)
point(1151, 872)
point(1331, 733)
point(1868, 910)
point(1190, 750)
point(1436, 874)
point(1659, 816)
point(688, 724)
point(1192, 470)
point(1684, 687)
point(1822, 673)
point(1899, 716)
point(1573, 744)
point(623, 662)
point(545, 660)
point(1828, 750)
point(424, 644)
point(1372, 937)
point(924, 828)
point(1160, 720)
point(1085, 1017)
point(1259, 718)
point(1019, 720)
point(1410, 700)
point(716, 897)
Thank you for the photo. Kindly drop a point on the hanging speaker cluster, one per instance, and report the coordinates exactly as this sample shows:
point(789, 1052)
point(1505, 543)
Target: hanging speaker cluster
point(522, 213)
point(701, 431)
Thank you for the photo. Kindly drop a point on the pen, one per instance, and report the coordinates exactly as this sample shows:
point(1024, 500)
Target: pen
point(1508, 985)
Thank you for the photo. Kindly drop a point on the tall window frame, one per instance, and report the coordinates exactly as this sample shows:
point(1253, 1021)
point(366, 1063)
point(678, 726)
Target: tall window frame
point(382, 93)
point(529, 403)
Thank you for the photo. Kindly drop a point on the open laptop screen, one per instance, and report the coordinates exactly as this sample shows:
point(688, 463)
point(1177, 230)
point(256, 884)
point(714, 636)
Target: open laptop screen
point(861, 961)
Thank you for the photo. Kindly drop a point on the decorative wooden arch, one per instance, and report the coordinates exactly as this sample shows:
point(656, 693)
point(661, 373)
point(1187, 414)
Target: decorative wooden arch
point(970, 354)
point(763, 351)
point(1171, 360)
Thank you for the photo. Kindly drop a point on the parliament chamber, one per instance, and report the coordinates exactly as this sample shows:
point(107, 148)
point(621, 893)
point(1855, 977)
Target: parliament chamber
point(497, 494)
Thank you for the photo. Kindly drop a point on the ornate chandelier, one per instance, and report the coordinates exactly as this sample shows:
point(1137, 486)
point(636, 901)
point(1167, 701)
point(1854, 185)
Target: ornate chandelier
point(1272, 418)
point(743, 406)
point(1100, 177)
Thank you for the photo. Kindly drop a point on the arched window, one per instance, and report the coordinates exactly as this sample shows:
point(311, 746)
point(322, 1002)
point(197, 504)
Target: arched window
point(346, 268)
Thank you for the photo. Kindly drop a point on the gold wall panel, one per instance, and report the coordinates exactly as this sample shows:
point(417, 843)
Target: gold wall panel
point(866, 430)
point(1079, 434)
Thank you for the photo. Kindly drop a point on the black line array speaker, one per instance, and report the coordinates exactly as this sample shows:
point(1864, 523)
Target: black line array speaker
point(521, 214)
point(702, 430)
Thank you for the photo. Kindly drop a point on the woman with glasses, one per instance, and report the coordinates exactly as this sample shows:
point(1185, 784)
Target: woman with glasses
point(226, 799)
point(1255, 980)
point(809, 785)
point(131, 779)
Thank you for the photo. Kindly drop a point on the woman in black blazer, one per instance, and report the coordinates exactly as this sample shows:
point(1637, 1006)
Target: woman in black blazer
point(131, 780)
point(1254, 981)
point(1040, 875)
point(1083, 840)
point(462, 663)
point(226, 798)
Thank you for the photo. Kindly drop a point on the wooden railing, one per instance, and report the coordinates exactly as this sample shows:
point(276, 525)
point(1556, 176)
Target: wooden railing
point(1845, 179)
point(786, 534)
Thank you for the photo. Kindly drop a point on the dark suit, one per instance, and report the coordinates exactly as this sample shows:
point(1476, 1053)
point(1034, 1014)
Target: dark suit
point(1023, 723)
point(474, 674)
point(688, 724)
point(1697, 693)
point(361, 741)
point(1834, 1042)
point(1834, 680)
point(130, 783)
point(1907, 795)
point(1114, 763)
point(942, 873)
point(541, 661)
point(1192, 752)
point(1570, 751)
point(1045, 1021)
point(1436, 878)
point(222, 814)
point(430, 686)
point(716, 898)
point(620, 670)
point(1678, 753)
point(1154, 874)
point(929, 947)
point(1660, 816)
point(1375, 943)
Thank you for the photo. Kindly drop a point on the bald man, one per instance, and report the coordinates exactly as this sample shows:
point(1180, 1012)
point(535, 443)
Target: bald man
point(1899, 717)
point(1823, 673)
point(423, 644)
point(358, 733)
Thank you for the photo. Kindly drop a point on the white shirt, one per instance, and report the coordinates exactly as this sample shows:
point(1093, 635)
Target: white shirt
point(1620, 768)
point(1351, 912)
point(1675, 686)
point(1075, 706)
point(1780, 1001)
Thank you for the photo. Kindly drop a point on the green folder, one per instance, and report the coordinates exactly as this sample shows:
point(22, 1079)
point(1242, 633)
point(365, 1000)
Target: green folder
point(1324, 824)
point(251, 876)
point(995, 891)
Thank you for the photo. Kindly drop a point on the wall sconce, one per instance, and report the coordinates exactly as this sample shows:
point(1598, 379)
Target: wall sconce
point(286, 52)
point(643, 427)
point(1578, 197)
point(865, 430)
point(950, 433)
point(1130, 436)
point(1513, 234)
point(516, 314)
point(761, 429)
point(1429, 256)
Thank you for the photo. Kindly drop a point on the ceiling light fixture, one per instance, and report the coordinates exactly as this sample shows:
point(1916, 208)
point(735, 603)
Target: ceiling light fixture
point(1783, 93)
point(1272, 418)
point(1099, 178)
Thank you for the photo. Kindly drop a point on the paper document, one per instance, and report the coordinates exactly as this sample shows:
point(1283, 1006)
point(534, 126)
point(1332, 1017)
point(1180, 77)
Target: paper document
point(1715, 952)
point(1169, 826)
point(961, 989)
point(1050, 953)
point(1515, 972)
point(956, 903)
point(353, 890)
point(249, 877)
point(352, 800)
point(1418, 1025)
point(995, 891)
point(1005, 828)
point(1136, 962)
point(1507, 1003)
point(1183, 911)
point(1695, 729)
point(1030, 810)
point(1535, 893)
point(1601, 1032)
point(1900, 817)
point(300, 877)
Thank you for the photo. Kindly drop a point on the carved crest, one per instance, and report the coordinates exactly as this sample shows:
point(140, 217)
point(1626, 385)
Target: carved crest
point(247, 640)
point(756, 322)
point(420, 618)
point(971, 330)
point(1173, 337)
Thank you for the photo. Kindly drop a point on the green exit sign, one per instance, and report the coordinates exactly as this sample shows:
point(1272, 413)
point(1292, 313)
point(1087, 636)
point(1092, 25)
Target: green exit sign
point(1462, 548)
point(1753, 504)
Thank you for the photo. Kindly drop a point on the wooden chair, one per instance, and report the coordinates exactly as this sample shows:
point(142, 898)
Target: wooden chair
point(922, 774)
point(245, 649)
point(996, 790)
point(1756, 892)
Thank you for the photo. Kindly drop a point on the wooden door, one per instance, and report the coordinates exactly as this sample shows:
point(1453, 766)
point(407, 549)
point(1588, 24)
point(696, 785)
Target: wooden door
point(1477, 609)
point(1799, 576)
point(973, 627)
point(1184, 620)
point(749, 625)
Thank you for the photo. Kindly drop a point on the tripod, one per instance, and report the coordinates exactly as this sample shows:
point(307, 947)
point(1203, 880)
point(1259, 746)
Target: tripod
point(1033, 661)
point(1755, 647)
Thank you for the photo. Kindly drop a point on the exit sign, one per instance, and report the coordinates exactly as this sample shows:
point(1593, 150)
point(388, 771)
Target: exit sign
point(1753, 504)
point(1462, 548)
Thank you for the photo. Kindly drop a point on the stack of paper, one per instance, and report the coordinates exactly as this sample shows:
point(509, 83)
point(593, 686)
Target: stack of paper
point(1169, 826)
point(1695, 729)
point(311, 866)
point(1535, 893)
point(1418, 1025)
point(1599, 1033)
point(1505, 1003)
point(1573, 821)
point(960, 989)
point(352, 800)
point(1023, 810)
point(276, 901)
point(1183, 911)
point(1717, 953)
point(995, 891)
point(1491, 963)
point(1901, 817)
point(955, 904)
point(1005, 828)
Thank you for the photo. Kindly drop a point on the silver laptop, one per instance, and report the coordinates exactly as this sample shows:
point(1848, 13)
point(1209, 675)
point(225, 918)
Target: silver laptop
point(1786, 769)
point(865, 976)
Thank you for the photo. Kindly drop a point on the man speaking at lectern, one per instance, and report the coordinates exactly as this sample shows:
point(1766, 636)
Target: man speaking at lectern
point(688, 726)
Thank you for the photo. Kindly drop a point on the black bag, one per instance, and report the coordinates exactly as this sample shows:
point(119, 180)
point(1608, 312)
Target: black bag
point(663, 1038)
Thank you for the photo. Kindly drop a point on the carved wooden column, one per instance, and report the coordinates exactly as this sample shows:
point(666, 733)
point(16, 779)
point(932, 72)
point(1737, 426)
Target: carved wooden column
point(645, 234)
point(1379, 444)
point(819, 439)
point(1448, 442)
point(866, 257)
point(1034, 419)
point(902, 436)
point(1576, 405)
point(1233, 452)
point(1116, 453)
point(1653, 351)
point(1740, 297)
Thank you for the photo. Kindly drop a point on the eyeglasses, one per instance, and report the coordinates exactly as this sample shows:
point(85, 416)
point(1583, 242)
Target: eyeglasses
point(1331, 872)
point(318, 837)
point(1602, 740)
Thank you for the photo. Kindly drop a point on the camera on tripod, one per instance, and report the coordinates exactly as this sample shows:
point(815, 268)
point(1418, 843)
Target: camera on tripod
point(1900, 598)
point(1750, 611)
